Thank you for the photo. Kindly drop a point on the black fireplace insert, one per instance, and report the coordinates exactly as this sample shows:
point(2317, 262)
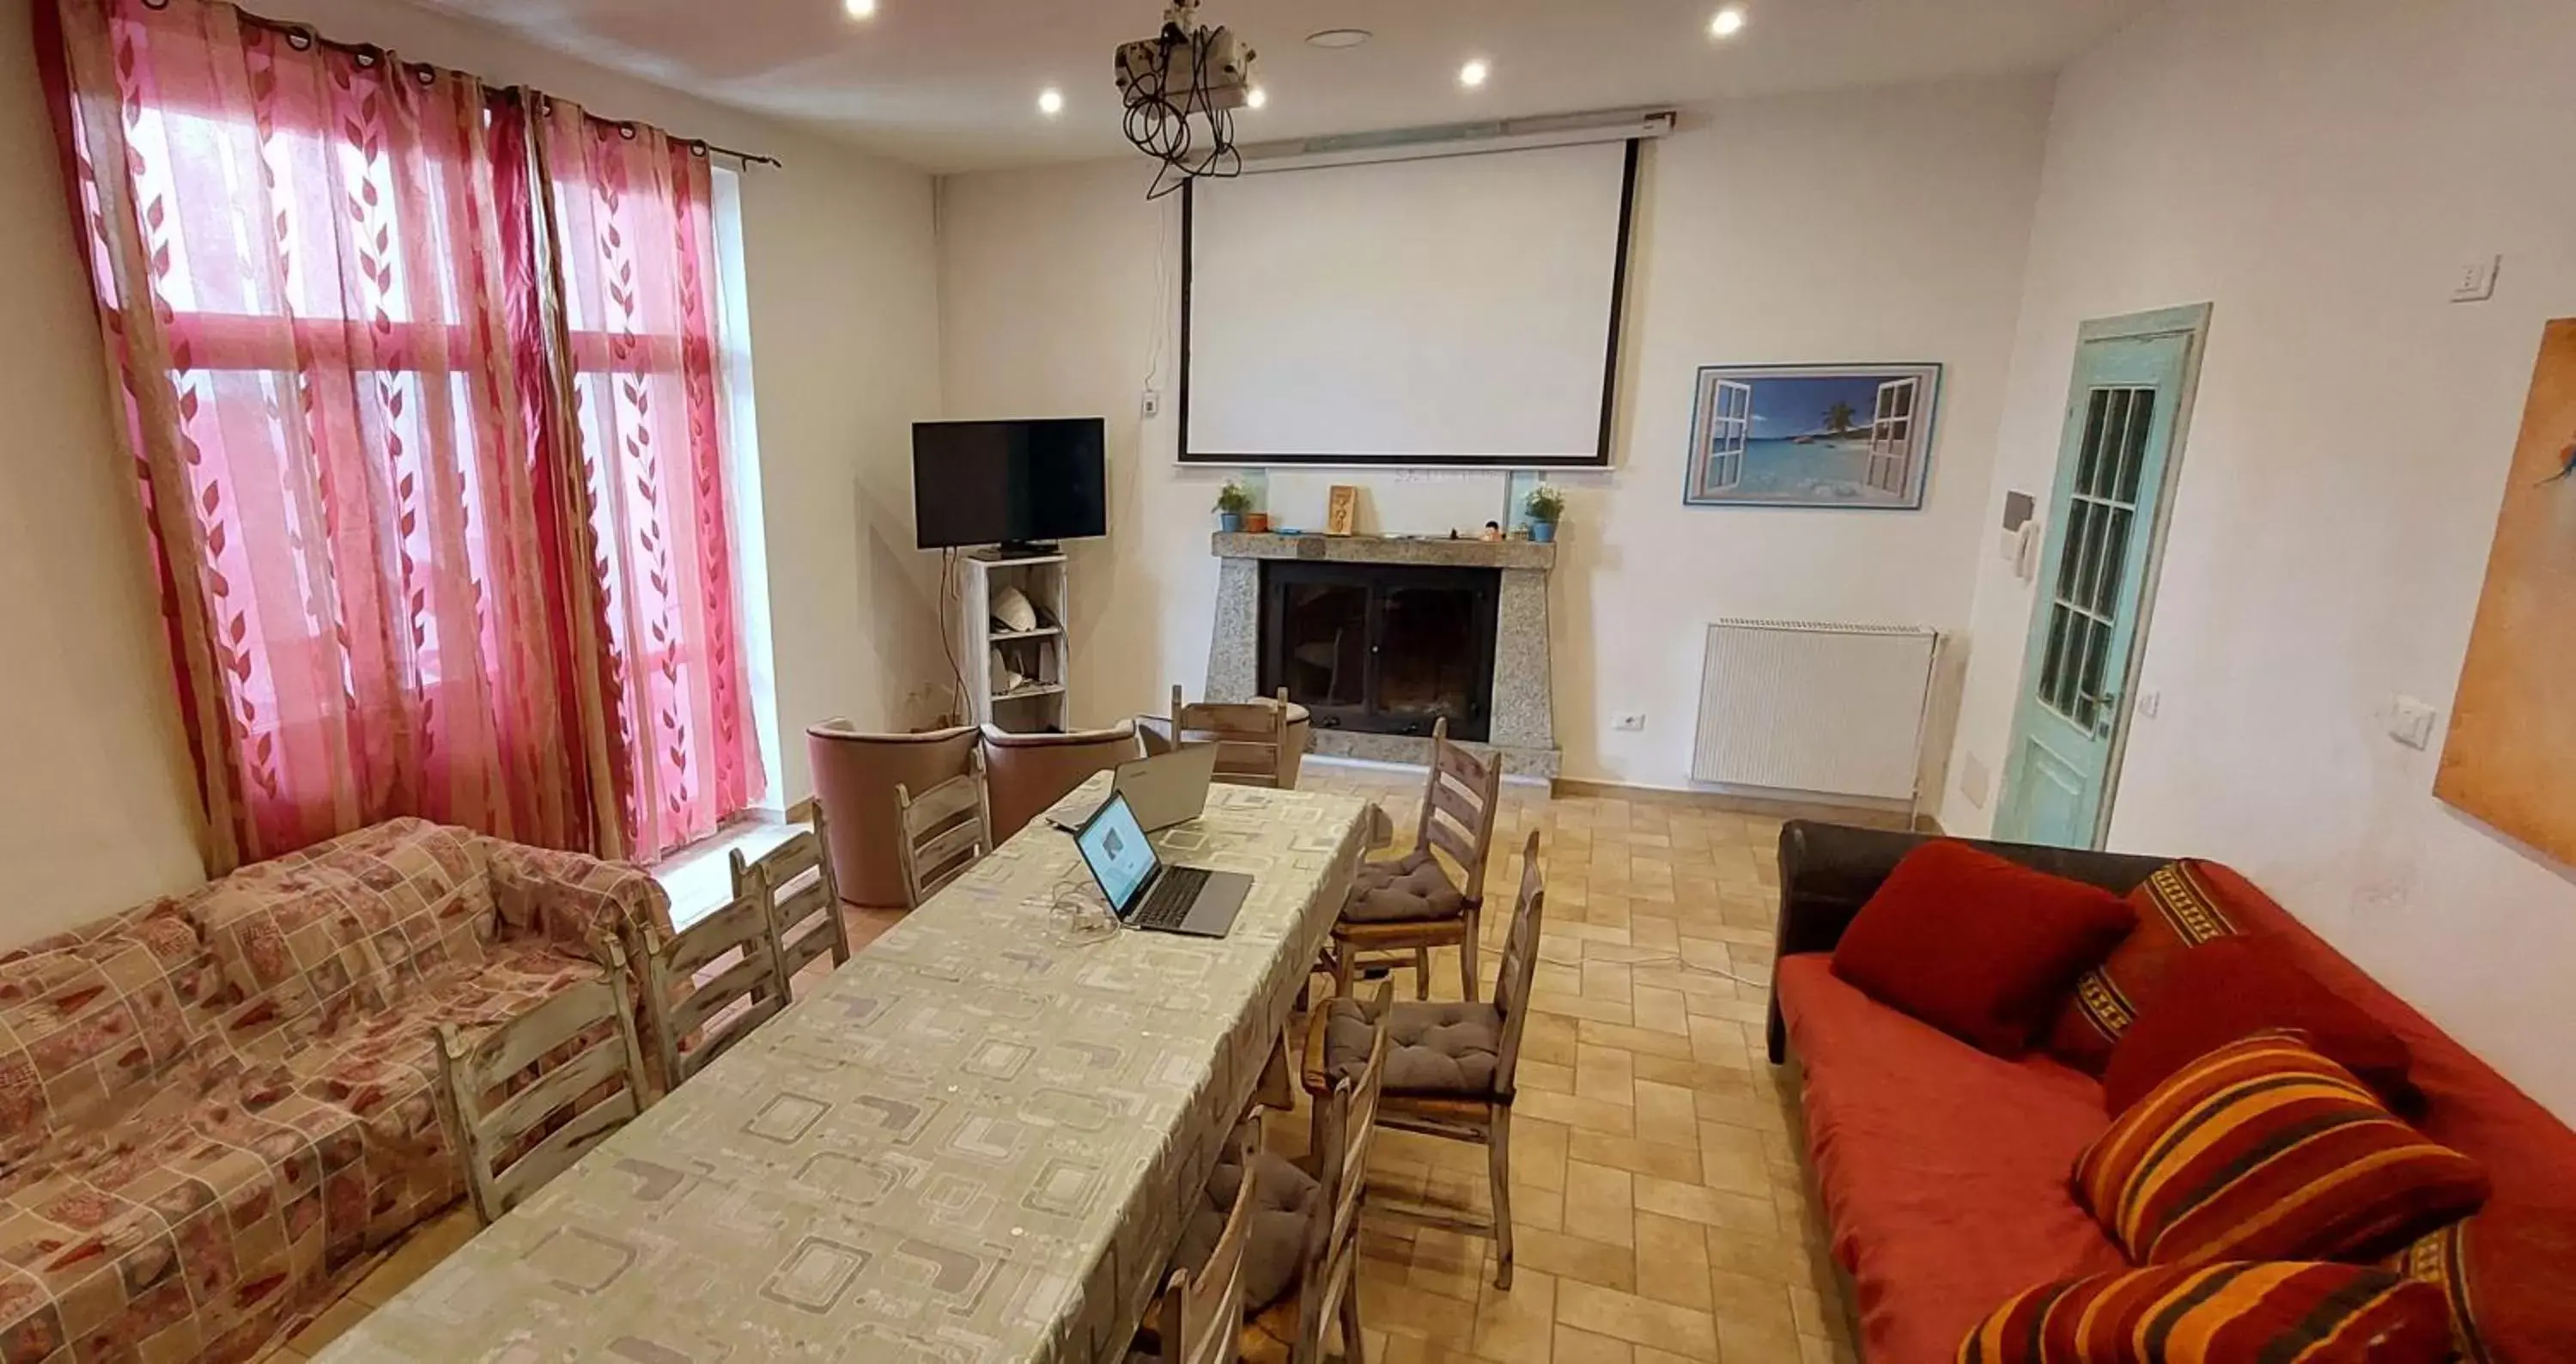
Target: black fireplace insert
point(1381, 648)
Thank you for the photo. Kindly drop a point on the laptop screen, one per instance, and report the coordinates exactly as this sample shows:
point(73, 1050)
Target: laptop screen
point(1113, 845)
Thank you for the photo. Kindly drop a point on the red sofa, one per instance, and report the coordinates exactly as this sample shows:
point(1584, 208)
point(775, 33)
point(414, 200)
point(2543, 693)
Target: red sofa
point(1944, 1170)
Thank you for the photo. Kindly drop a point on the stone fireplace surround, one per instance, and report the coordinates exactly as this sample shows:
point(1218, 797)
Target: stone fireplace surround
point(1522, 705)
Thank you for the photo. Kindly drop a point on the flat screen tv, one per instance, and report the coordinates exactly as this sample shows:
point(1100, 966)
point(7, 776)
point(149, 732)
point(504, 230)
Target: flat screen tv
point(1018, 484)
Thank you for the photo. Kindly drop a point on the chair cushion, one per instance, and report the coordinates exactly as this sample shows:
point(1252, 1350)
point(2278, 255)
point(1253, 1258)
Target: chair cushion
point(1981, 948)
point(2219, 1314)
point(1409, 889)
point(1442, 1050)
point(2238, 986)
point(1281, 1194)
point(2180, 907)
point(2264, 1150)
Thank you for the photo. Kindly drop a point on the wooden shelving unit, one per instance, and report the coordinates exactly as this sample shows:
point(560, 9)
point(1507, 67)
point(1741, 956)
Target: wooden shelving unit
point(1042, 656)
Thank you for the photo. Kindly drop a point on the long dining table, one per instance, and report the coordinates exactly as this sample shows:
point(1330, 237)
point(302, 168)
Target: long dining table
point(976, 1141)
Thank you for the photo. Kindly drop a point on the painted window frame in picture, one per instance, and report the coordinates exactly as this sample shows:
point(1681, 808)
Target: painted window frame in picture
point(1726, 421)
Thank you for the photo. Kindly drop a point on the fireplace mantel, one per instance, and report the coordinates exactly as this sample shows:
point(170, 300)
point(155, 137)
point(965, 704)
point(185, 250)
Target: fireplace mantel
point(1385, 549)
point(1521, 710)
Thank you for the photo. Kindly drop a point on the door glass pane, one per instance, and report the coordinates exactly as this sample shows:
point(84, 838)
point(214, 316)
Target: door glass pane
point(2115, 563)
point(1324, 644)
point(2133, 453)
point(2091, 449)
point(2115, 425)
point(1429, 637)
point(2097, 654)
point(2053, 661)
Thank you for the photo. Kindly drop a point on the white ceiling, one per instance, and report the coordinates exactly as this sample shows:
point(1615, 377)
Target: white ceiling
point(953, 84)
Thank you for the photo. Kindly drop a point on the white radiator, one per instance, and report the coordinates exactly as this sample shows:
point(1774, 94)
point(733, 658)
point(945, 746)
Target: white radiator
point(1831, 709)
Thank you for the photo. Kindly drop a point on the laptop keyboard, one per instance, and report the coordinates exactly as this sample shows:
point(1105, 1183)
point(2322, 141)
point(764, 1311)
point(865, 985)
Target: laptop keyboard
point(1172, 898)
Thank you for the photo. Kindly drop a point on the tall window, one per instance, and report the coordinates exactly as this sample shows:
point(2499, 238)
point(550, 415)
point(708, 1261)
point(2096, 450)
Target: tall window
point(428, 450)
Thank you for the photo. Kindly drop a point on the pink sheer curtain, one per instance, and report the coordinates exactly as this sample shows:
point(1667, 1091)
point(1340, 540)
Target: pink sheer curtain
point(439, 515)
point(301, 281)
point(633, 246)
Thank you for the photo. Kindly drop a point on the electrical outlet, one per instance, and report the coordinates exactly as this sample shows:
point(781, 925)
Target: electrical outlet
point(2411, 723)
point(2477, 281)
point(1152, 404)
point(1632, 722)
point(2150, 702)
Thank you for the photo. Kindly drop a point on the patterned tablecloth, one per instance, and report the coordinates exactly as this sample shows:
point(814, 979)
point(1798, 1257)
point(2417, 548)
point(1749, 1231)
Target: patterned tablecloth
point(973, 1143)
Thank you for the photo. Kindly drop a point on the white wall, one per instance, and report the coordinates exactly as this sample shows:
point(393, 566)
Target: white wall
point(2319, 169)
point(1883, 225)
point(98, 808)
point(844, 317)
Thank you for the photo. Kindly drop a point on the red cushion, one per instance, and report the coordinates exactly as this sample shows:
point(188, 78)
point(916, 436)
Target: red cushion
point(1942, 1170)
point(2236, 987)
point(2510, 1276)
point(2182, 905)
point(1981, 948)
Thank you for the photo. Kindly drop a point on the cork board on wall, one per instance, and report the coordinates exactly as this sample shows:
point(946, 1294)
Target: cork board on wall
point(2511, 756)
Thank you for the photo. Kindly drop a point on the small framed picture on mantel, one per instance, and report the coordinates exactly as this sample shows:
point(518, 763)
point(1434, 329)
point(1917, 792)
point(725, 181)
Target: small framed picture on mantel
point(1342, 513)
point(1850, 436)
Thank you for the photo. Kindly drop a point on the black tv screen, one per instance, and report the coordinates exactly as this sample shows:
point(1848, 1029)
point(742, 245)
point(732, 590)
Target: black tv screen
point(1019, 482)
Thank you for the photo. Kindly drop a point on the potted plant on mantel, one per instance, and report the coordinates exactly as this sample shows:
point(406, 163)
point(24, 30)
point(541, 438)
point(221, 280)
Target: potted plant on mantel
point(1231, 503)
point(1545, 506)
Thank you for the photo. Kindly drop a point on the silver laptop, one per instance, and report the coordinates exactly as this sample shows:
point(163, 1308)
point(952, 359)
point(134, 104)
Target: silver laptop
point(1168, 789)
point(1144, 891)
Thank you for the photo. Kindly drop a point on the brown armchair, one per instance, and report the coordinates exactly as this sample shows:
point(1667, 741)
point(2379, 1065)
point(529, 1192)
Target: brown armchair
point(1026, 773)
point(855, 774)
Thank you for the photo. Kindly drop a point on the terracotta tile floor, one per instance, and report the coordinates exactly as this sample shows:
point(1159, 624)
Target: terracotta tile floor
point(1661, 1205)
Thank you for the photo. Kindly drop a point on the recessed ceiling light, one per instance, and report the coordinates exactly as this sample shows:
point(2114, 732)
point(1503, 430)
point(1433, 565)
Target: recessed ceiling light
point(1339, 37)
point(1050, 101)
point(1728, 23)
point(860, 9)
point(1473, 73)
point(1256, 97)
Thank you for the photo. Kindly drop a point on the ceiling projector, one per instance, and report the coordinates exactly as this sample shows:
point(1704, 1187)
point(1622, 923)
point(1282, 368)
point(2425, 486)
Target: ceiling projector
point(1188, 71)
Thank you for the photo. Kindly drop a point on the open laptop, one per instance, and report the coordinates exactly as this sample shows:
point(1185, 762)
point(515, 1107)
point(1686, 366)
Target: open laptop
point(1146, 893)
point(1164, 790)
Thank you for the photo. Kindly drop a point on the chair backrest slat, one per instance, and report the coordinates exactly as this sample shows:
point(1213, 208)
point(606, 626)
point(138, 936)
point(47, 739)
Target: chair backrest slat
point(1330, 1260)
point(1513, 981)
point(698, 1017)
point(535, 1094)
point(942, 832)
point(1203, 1315)
point(805, 897)
point(1459, 803)
point(1251, 737)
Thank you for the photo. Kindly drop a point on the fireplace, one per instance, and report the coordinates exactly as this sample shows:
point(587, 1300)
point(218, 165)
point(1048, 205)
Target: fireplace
point(1381, 648)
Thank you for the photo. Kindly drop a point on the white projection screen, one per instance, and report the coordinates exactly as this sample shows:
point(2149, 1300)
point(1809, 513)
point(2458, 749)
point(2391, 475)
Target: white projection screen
point(1451, 311)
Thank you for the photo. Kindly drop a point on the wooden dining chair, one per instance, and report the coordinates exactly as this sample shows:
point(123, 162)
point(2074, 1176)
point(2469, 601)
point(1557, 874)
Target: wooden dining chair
point(941, 833)
point(1451, 1068)
point(709, 985)
point(1400, 908)
point(535, 1094)
point(1251, 737)
point(1346, 1125)
point(1201, 1321)
point(804, 900)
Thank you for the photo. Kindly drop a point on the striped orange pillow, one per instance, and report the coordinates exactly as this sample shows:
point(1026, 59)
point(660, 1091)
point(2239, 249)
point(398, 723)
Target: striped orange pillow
point(2233, 1313)
point(2264, 1150)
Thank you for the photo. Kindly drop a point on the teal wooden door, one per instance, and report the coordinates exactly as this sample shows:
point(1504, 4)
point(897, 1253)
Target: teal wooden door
point(2097, 575)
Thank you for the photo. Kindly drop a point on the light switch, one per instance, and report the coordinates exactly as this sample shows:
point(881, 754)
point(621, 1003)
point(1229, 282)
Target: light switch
point(2411, 723)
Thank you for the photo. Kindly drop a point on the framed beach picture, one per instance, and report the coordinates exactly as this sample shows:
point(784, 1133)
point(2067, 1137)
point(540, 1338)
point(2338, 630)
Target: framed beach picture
point(1812, 436)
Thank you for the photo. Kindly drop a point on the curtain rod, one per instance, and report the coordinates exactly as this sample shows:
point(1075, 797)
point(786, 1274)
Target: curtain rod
point(312, 35)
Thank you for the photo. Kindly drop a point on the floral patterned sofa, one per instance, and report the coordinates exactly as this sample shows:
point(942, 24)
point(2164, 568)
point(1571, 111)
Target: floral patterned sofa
point(219, 1110)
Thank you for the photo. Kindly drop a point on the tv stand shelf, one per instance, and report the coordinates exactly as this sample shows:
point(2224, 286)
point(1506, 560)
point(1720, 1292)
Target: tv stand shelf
point(1016, 679)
